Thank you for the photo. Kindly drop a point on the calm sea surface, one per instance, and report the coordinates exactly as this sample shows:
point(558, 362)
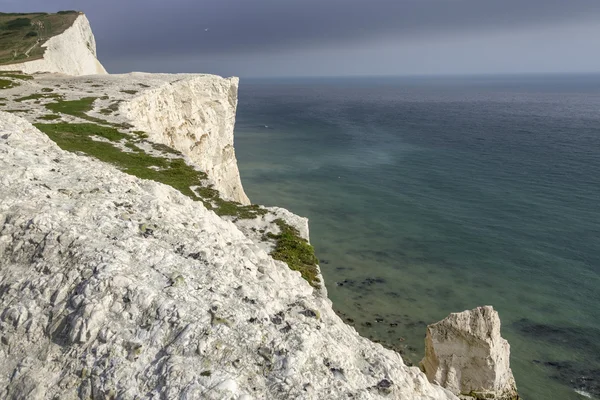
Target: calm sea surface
point(428, 196)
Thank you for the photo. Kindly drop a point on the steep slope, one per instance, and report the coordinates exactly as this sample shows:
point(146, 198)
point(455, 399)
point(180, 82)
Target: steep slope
point(63, 107)
point(113, 286)
point(70, 51)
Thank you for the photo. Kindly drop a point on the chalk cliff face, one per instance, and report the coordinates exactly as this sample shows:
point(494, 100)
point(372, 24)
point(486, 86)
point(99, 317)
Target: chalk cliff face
point(195, 115)
point(116, 287)
point(73, 53)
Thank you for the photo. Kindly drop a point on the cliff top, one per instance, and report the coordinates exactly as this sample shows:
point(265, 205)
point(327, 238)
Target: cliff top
point(22, 35)
point(91, 115)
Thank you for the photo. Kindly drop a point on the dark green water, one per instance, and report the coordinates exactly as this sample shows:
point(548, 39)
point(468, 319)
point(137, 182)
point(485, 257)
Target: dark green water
point(431, 196)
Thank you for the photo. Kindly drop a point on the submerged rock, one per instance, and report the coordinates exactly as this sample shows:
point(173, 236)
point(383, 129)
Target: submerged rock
point(466, 354)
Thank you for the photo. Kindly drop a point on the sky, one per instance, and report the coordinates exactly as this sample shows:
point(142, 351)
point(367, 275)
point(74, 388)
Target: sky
point(275, 38)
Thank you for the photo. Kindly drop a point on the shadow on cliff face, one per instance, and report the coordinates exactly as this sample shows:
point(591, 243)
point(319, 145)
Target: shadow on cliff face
point(577, 375)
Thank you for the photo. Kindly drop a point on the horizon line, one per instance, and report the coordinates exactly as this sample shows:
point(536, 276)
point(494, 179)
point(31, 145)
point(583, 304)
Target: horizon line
point(448, 75)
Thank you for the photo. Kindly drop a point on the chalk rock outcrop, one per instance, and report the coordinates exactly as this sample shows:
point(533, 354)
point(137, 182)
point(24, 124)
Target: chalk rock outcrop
point(195, 115)
point(73, 52)
point(466, 354)
point(117, 287)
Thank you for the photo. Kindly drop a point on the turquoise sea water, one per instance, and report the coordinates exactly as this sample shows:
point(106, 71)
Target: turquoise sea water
point(428, 196)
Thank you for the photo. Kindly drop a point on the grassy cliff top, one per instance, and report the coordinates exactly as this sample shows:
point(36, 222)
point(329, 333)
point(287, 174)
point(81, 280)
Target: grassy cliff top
point(22, 35)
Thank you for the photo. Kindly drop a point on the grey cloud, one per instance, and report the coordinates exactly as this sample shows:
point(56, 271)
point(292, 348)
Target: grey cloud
point(151, 27)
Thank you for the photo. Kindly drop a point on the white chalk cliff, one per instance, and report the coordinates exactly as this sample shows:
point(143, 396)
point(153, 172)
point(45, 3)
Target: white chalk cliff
point(93, 306)
point(73, 52)
point(195, 114)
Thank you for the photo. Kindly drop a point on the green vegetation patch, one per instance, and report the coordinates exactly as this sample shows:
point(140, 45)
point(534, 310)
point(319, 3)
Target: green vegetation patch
point(50, 117)
point(129, 91)
point(294, 250)
point(173, 172)
point(7, 84)
point(114, 106)
point(165, 149)
point(15, 75)
point(141, 134)
point(37, 96)
point(77, 108)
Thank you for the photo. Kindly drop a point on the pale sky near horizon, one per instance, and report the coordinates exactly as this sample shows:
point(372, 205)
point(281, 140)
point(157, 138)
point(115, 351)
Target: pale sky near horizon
point(339, 37)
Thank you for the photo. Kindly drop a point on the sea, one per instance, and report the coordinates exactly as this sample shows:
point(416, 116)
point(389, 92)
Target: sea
point(433, 195)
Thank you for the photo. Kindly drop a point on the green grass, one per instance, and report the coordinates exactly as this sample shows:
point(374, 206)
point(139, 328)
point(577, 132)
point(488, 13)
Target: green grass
point(16, 75)
point(50, 117)
point(165, 149)
point(37, 96)
point(292, 249)
point(173, 172)
point(77, 108)
point(7, 84)
point(141, 134)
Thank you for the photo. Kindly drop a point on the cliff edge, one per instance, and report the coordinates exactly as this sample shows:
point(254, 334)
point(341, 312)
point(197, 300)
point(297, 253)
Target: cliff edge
point(194, 114)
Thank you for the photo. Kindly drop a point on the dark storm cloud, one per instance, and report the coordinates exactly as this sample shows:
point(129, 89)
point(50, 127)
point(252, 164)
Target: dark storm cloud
point(151, 27)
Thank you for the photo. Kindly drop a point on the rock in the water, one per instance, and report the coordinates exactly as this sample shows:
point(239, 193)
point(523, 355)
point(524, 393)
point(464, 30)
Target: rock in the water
point(466, 354)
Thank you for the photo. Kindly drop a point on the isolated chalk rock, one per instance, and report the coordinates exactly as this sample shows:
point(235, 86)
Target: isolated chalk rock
point(466, 354)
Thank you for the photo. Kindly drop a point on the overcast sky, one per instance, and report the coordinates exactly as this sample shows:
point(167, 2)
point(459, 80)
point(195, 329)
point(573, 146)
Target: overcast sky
point(339, 37)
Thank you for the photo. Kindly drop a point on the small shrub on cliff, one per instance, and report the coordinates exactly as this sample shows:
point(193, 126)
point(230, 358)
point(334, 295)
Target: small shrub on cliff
point(294, 250)
point(50, 117)
point(15, 75)
point(6, 84)
point(18, 23)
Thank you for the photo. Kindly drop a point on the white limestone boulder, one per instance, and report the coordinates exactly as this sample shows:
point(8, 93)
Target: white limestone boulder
point(466, 354)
